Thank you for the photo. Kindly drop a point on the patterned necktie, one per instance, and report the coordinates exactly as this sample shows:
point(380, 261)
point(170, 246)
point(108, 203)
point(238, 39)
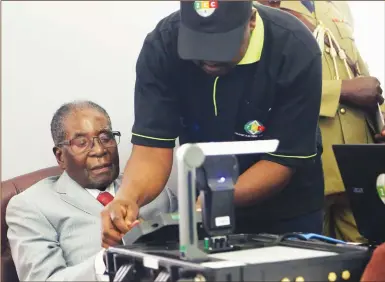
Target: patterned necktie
point(104, 198)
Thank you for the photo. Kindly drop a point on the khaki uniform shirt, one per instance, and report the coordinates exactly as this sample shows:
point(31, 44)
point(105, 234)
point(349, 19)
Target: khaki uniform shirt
point(340, 124)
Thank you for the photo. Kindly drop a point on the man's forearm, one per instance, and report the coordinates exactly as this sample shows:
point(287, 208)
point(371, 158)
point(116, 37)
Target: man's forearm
point(261, 181)
point(146, 174)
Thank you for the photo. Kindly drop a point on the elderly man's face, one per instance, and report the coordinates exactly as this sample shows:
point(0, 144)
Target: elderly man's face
point(95, 168)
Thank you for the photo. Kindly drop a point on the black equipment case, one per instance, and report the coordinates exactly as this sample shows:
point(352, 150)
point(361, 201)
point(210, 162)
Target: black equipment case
point(153, 255)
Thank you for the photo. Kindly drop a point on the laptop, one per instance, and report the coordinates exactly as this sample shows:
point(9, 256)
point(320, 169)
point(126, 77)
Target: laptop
point(361, 168)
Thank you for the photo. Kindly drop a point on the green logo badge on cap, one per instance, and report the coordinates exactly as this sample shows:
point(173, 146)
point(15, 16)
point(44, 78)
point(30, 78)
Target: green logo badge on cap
point(205, 8)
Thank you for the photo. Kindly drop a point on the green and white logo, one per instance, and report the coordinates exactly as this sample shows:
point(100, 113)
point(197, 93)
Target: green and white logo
point(205, 8)
point(254, 127)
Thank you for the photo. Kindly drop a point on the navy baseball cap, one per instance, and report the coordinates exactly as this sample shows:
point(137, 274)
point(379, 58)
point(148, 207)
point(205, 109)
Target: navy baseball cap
point(212, 30)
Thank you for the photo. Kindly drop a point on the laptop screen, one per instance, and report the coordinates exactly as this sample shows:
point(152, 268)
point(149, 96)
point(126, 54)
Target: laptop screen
point(361, 167)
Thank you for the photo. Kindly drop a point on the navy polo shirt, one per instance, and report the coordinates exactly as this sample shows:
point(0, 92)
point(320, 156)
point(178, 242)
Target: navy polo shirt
point(273, 93)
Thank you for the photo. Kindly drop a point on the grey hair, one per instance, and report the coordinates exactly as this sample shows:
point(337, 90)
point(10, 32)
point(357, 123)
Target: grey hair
point(57, 123)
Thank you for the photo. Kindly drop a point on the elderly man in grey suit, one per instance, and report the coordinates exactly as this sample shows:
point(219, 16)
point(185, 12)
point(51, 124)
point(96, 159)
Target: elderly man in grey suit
point(55, 227)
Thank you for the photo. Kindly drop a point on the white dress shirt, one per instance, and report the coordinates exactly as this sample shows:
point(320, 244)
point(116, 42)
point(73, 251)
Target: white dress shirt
point(95, 192)
point(100, 267)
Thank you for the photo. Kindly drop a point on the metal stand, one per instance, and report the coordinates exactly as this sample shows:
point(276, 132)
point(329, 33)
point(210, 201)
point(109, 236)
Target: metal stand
point(189, 158)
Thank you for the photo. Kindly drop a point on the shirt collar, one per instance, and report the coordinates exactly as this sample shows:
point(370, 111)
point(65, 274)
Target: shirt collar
point(257, 38)
point(110, 189)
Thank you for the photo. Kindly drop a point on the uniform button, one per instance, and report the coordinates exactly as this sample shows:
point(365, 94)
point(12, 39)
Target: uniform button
point(285, 279)
point(299, 279)
point(332, 277)
point(342, 110)
point(345, 275)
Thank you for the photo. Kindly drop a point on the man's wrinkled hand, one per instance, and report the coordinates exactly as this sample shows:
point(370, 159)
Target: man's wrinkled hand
point(118, 217)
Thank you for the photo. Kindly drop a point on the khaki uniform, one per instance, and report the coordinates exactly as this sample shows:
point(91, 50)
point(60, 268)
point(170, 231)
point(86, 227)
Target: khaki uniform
point(340, 124)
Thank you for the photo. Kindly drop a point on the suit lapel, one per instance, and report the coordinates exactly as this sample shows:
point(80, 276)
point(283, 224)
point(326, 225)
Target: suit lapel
point(75, 195)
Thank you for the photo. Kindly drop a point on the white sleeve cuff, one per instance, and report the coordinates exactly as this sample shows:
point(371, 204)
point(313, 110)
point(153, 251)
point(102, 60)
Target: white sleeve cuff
point(100, 267)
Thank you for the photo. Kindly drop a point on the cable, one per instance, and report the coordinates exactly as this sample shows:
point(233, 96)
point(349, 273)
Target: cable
point(303, 237)
point(285, 237)
point(279, 239)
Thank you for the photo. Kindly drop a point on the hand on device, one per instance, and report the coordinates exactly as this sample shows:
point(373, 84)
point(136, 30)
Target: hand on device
point(118, 217)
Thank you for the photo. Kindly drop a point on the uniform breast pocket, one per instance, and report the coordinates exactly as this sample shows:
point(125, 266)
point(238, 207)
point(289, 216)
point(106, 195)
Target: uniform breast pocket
point(251, 123)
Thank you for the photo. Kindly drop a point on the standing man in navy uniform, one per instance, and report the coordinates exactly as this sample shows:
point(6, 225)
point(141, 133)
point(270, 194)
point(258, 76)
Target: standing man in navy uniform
point(225, 71)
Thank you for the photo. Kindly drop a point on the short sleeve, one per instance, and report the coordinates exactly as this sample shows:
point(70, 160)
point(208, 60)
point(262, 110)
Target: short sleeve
point(157, 118)
point(294, 117)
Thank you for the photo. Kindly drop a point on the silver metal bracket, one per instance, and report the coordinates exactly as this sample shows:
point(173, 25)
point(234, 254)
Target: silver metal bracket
point(189, 157)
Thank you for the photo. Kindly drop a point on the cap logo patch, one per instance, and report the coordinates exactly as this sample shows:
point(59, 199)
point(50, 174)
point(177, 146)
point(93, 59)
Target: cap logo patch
point(205, 8)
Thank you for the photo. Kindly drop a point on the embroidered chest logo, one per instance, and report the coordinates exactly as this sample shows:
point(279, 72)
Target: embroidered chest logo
point(254, 128)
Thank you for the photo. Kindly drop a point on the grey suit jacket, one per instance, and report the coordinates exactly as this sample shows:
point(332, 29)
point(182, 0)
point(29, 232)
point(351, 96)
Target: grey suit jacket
point(55, 229)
